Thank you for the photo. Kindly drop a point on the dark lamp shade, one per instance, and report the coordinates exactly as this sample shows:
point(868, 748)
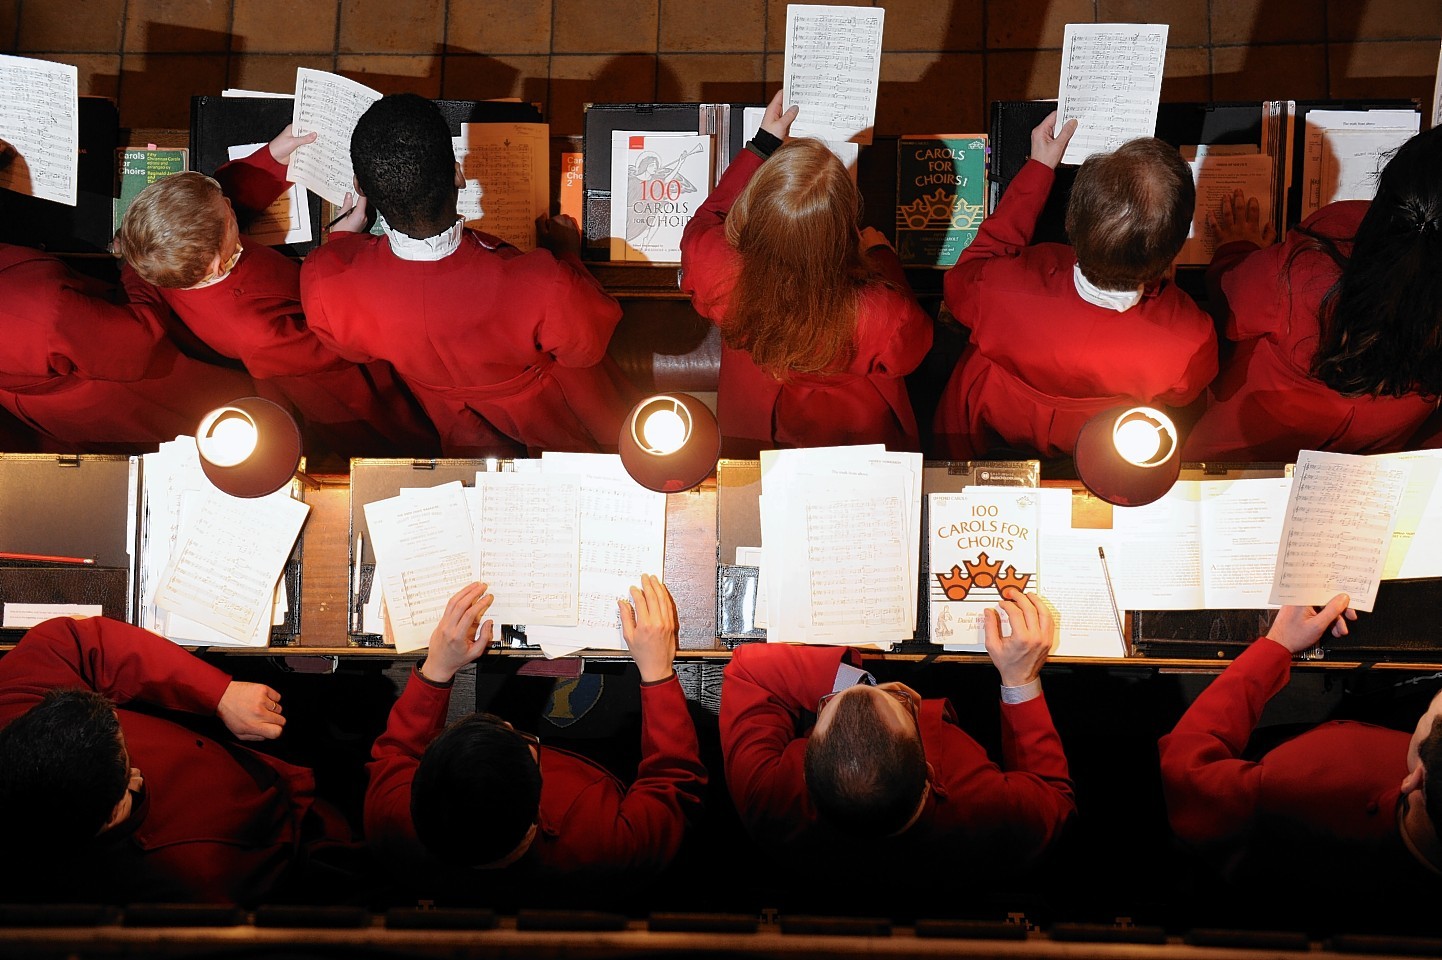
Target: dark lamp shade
point(670, 442)
point(249, 447)
point(1129, 456)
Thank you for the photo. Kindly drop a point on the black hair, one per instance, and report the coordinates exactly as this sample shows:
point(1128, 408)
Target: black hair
point(476, 792)
point(1130, 212)
point(1382, 319)
point(1429, 752)
point(404, 163)
point(865, 777)
point(62, 768)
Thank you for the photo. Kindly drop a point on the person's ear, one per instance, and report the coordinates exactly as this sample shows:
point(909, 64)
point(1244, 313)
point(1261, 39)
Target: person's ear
point(460, 177)
point(1414, 780)
point(355, 184)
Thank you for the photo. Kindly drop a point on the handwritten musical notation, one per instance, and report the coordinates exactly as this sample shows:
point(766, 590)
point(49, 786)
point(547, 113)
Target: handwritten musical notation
point(39, 117)
point(1338, 528)
point(424, 554)
point(329, 105)
point(528, 546)
point(1111, 83)
point(832, 70)
point(507, 178)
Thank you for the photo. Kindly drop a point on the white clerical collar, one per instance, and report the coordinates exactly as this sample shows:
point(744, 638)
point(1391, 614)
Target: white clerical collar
point(1118, 300)
point(439, 247)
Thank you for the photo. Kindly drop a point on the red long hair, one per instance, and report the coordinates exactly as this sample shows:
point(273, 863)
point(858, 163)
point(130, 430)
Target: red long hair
point(793, 307)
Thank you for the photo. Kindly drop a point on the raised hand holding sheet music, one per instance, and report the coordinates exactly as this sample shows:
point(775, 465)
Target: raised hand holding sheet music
point(1111, 83)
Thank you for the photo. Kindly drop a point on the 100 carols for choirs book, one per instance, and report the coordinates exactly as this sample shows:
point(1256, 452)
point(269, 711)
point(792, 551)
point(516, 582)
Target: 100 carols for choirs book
point(940, 196)
point(658, 181)
point(983, 540)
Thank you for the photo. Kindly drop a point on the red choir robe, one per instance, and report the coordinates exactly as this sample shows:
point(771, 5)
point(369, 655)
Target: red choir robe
point(214, 822)
point(866, 402)
point(1041, 361)
point(89, 374)
point(1265, 405)
point(501, 348)
point(253, 316)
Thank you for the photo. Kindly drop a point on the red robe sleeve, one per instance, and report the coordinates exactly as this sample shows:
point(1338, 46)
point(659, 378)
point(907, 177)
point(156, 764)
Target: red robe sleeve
point(768, 695)
point(119, 660)
point(1005, 233)
point(580, 315)
point(910, 328)
point(1038, 780)
point(95, 339)
point(1212, 793)
point(252, 183)
point(417, 718)
point(1242, 272)
point(708, 262)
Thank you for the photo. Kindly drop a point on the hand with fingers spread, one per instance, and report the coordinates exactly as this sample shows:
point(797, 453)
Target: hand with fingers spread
point(648, 623)
point(460, 637)
point(777, 123)
point(1048, 144)
point(285, 143)
point(1299, 628)
point(1019, 657)
point(1239, 217)
point(251, 711)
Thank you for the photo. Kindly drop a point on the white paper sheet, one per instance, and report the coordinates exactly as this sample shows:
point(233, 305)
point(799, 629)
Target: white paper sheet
point(330, 105)
point(425, 552)
point(1437, 94)
point(229, 554)
point(40, 117)
point(23, 616)
point(832, 70)
point(1111, 83)
point(507, 178)
point(1416, 546)
point(1338, 529)
point(846, 151)
point(287, 220)
point(1157, 562)
point(1076, 586)
point(1352, 160)
point(1319, 125)
point(1217, 177)
point(527, 533)
point(1241, 529)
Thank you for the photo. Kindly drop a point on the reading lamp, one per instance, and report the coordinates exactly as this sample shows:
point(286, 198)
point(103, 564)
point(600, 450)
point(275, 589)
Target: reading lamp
point(1128, 456)
point(248, 448)
point(670, 442)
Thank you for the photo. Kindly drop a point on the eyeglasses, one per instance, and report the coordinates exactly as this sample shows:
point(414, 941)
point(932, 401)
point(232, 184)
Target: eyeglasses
point(900, 695)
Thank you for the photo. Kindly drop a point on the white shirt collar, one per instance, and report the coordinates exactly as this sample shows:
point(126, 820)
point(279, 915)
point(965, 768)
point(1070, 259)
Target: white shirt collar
point(439, 247)
point(1118, 300)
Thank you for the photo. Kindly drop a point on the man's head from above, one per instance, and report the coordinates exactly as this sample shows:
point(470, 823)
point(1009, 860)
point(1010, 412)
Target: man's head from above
point(1129, 213)
point(865, 768)
point(1424, 757)
point(179, 232)
point(405, 164)
point(476, 793)
point(64, 770)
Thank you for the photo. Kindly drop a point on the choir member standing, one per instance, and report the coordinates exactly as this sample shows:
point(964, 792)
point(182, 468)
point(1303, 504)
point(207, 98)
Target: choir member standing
point(183, 248)
point(818, 323)
point(1338, 329)
point(501, 348)
point(1060, 333)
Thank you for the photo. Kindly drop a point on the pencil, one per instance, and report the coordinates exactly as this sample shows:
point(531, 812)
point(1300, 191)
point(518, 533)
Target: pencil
point(45, 558)
point(1112, 593)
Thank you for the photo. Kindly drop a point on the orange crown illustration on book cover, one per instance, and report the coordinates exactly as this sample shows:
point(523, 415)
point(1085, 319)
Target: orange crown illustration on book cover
point(980, 574)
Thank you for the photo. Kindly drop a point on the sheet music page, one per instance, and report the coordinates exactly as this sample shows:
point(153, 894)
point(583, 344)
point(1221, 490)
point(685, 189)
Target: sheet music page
point(1315, 131)
point(507, 178)
point(1338, 528)
point(287, 220)
point(228, 557)
point(166, 477)
point(1241, 528)
point(846, 151)
point(842, 563)
point(330, 105)
point(40, 117)
point(1158, 560)
point(623, 535)
point(832, 70)
point(528, 543)
point(1076, 587)
point(1416, 547)
point(1352, 160)
point(1216, 177)
point(1111, 83)
point(424, 551)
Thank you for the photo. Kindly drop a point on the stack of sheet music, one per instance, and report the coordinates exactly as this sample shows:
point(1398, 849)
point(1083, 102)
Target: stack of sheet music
point(557, 540)
point(210, 564)
point(840, 536)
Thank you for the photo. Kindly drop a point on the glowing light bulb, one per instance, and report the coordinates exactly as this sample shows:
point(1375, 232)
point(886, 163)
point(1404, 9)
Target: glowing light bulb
point(1137, 441)
point(664, 431)
point(228, 438)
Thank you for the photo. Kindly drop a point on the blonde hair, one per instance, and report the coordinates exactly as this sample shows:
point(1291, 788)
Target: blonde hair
point(173, 230)
point(794, 228)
